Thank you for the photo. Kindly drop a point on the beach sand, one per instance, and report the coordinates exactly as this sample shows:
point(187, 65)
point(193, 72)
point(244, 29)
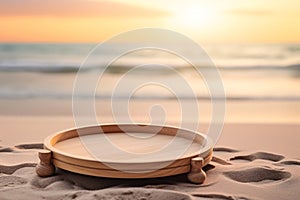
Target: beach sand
point(256, 159)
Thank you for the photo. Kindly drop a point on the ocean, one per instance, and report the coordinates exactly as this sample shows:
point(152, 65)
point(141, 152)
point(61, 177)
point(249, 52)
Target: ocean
point(256, 72)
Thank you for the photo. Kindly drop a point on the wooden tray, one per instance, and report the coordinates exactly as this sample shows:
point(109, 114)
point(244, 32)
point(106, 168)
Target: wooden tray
point(127, 151)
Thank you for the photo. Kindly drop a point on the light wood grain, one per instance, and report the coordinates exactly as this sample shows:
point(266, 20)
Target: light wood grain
point(122, 174)
point(45, 167)
point(136, 152)
point(197, 175)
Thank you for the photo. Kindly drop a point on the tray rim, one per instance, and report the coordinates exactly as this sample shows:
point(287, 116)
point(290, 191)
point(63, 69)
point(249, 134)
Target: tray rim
point(204, 152)
point(113, 173)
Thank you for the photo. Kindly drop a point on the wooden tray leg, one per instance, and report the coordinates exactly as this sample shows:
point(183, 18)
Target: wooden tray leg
point(197, 175)
point(45, 167)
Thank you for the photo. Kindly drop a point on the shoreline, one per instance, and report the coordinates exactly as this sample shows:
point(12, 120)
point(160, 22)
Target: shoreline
point(287, 112)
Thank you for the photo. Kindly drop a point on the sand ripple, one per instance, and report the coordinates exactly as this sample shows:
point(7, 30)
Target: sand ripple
point(259, 155)
point(257, 174)
point(261, 175)
point(11, 181)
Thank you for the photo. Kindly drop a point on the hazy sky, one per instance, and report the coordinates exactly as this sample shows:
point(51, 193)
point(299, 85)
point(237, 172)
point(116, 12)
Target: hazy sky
point(209, 21)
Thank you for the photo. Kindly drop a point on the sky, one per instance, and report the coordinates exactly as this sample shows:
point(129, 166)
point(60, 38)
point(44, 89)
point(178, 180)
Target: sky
point(206, 21)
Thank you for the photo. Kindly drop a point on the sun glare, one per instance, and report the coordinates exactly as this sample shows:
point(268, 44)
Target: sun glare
point(194, 17)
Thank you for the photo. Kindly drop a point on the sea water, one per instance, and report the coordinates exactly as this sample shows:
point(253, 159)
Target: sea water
point(249, 72)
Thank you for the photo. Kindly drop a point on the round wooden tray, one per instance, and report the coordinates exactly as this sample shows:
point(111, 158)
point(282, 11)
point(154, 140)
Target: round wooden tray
point(127, 151)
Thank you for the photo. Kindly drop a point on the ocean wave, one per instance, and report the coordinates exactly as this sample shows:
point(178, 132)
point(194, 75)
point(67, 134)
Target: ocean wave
point(67, 58)
point(41, 68)
point(69, 96)
point(121, 68)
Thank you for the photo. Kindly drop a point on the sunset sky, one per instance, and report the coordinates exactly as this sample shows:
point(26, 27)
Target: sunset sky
point(213, 21)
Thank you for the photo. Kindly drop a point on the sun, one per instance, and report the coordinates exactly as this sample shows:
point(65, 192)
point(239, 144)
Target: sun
point(194, 16)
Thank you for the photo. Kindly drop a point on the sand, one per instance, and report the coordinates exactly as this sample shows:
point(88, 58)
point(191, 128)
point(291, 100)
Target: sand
point(239, 172)
point(256, 157)
point(232, 174)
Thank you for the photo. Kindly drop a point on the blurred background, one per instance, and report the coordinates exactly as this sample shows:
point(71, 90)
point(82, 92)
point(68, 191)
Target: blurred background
point(255, 45)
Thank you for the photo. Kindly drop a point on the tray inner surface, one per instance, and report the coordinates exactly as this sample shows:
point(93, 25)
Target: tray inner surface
point(130, 148)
